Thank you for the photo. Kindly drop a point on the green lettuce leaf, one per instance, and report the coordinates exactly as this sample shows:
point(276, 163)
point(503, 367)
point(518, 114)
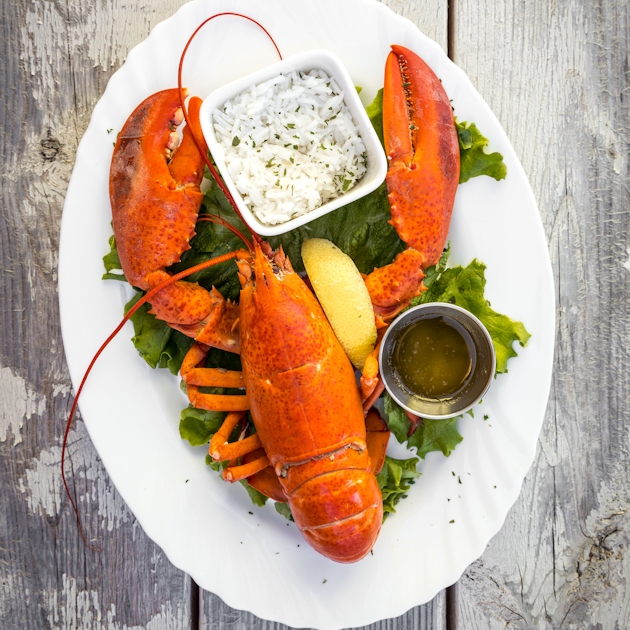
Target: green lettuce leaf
point(430, 435)
point(435, 435)
point(464, 286)
point(474, 161)
point(360, 229)
point(212, 240)
point(394, 481)
point(199, 425)
point(258, 498)
point(284, 509)
point(112, 262)
point(375, 113)
point(396, 418)
point(157, 343)
point(433, 273)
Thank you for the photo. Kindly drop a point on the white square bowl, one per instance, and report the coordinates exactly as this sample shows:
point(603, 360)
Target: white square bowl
point(305, 62)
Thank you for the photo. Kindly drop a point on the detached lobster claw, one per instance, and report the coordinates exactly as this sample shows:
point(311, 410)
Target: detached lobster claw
point(423, 152)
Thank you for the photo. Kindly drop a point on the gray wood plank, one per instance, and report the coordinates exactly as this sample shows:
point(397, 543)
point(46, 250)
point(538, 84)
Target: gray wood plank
point(217, 614)
point(57, 58)
point(556, 75)
point(431, 17)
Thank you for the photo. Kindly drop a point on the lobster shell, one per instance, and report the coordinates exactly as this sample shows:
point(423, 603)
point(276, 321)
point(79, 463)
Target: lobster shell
point(307, 410)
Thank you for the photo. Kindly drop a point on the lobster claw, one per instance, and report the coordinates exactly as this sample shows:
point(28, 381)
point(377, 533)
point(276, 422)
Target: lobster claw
point(423, 152)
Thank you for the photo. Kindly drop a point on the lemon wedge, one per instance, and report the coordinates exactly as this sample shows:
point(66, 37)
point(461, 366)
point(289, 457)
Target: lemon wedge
point(343, 295)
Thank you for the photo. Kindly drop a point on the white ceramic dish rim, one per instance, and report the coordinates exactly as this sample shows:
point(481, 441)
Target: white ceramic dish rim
point(72, 261)
point(389, 382)
point(309, 60)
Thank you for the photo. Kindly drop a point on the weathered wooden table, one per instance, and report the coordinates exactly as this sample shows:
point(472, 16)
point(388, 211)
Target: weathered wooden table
point(556, 73)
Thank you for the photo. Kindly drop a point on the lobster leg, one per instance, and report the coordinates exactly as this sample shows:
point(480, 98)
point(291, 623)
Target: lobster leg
point(207, 377)
point(196, 377)
point(265, 481)
point(214, 377)
point(216, 402)
point(221, 450)
point(236, 473)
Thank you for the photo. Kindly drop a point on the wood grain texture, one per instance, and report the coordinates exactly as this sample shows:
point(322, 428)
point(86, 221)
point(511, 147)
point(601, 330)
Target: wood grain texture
point(556, 75)
point(57, 58)
point(430, 16)
point(218, 615)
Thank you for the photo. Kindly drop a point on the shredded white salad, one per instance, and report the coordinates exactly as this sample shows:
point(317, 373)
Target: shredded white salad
point(290, 145)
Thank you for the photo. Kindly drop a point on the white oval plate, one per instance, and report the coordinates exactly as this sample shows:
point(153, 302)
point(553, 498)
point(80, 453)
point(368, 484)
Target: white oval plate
point(246, 555)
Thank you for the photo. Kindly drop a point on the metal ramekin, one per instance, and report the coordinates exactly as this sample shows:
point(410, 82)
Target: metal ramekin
point(475, 389)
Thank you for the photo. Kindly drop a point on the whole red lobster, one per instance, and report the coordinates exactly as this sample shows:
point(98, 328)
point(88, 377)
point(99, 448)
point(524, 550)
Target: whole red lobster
point(311, 447)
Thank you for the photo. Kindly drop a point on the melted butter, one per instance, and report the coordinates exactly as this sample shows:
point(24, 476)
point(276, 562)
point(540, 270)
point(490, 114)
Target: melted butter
point(435, 357)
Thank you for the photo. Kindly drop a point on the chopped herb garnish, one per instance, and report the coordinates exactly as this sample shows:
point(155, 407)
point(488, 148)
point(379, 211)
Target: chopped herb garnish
point(290, 125)
point(236, 141)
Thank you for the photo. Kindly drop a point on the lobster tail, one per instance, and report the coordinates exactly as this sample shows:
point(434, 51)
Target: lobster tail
point(344, 522)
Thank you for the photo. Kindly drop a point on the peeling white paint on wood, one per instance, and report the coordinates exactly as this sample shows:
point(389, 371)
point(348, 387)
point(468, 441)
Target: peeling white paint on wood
point(41, 482)
point(18, 403)
point(43, 487)
point(76, 609)
point(59, 59)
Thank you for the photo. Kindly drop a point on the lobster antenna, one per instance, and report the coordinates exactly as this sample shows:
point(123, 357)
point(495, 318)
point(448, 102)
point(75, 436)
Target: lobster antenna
point(198, 143)
point(143, 300)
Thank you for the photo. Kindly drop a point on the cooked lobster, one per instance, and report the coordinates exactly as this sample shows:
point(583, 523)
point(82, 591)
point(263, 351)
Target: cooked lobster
point(299, 384)
point(311, 447)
